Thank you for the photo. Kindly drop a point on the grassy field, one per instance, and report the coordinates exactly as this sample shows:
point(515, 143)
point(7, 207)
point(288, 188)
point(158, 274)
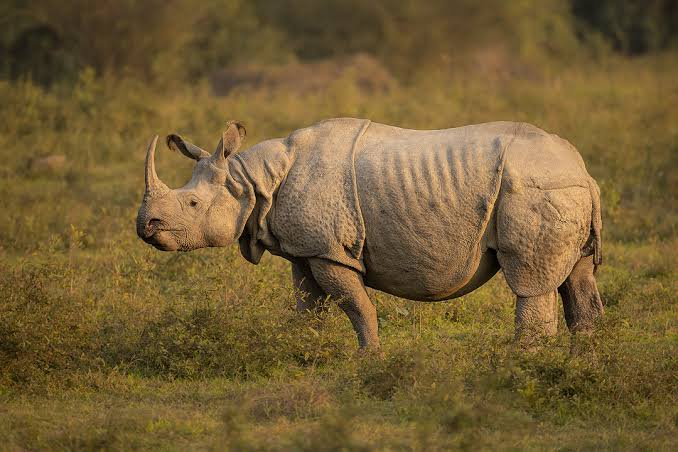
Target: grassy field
point(106, 343)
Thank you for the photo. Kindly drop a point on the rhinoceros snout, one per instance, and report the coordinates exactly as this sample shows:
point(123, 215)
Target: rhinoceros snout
point(146, 228)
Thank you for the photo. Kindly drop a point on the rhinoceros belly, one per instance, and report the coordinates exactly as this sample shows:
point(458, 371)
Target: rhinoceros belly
point(426, 198)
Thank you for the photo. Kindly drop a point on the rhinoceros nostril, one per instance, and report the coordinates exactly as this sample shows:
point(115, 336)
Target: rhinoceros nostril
point(146, 231)
point(152, 226)
point(146, 228)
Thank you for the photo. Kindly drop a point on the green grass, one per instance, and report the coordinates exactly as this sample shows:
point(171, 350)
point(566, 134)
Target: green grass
point(106, 343)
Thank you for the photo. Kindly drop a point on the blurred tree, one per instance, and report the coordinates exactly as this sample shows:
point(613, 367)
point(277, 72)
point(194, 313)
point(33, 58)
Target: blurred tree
point(13, 19)
point(148, 39)
point(230, 32)
point(40, 53)
point(633, 26)
point(182, 40)
point(118, 35)
point(318, 29)
point(406, 34)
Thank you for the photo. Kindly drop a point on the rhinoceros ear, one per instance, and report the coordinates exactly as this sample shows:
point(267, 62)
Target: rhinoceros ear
point(230, 141)
point(190, 150)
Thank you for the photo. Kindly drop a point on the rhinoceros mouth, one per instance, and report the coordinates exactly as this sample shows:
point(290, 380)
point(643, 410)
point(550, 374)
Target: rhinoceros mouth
point(157, 241)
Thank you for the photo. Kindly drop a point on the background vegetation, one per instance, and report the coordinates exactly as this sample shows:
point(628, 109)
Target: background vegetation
point(106, 343)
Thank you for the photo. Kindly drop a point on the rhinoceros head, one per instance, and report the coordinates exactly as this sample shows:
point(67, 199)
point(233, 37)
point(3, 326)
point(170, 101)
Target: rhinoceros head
point(209, 210)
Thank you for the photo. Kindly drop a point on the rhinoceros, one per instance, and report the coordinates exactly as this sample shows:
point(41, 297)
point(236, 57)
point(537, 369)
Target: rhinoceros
point(421, 214)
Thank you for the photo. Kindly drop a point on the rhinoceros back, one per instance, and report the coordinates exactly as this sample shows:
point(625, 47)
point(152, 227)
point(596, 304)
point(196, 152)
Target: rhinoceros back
point(426, 198)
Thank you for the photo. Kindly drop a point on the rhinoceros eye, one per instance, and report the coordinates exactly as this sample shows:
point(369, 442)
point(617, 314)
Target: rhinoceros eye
point(193, 203)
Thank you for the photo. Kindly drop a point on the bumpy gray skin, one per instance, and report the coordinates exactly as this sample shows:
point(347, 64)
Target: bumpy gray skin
point(425, 215)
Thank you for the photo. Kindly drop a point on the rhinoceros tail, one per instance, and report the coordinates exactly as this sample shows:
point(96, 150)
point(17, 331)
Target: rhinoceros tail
point(596, 223)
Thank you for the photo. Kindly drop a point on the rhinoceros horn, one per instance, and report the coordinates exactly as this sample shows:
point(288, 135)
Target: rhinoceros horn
point(154, 186)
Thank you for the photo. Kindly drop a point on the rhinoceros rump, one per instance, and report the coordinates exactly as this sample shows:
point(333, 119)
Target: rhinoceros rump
point(426, 215)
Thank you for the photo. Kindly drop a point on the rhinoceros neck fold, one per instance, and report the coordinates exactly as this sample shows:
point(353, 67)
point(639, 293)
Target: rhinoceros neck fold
point(263, 168)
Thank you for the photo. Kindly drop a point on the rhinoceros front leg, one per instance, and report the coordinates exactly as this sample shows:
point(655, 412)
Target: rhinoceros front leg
point(346, 286)
point(309, 294)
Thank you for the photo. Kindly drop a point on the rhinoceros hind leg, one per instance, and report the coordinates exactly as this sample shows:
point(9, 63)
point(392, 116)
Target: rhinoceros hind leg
point(346, 286)
point(536, 317)
point(540, 235)
point(581, 300)
point(309, 294)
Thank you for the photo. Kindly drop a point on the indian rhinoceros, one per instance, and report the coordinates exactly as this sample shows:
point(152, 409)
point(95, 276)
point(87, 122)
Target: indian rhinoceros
point(422, 214)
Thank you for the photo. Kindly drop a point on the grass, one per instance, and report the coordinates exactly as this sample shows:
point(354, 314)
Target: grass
point(106, 343)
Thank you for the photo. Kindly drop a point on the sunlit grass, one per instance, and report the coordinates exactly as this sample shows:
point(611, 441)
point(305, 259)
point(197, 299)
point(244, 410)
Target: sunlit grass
point(107, 343)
